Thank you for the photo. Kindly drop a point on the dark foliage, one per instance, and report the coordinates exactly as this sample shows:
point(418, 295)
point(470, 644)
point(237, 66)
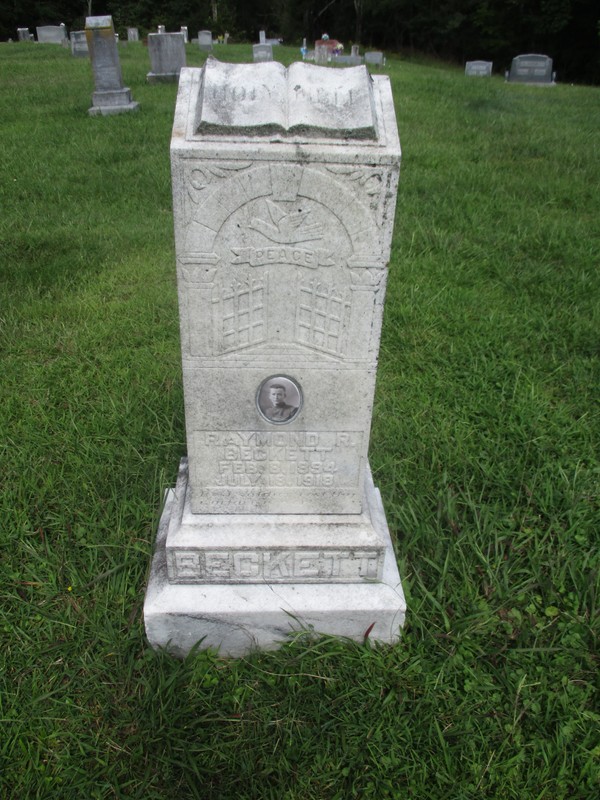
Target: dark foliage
point(457, 30)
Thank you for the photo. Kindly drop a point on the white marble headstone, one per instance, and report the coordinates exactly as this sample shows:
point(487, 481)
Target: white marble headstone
point(284, 188)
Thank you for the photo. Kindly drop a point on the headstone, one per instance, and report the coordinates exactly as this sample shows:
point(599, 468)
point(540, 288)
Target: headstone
point(532, 69)
point(347, 61)
point(79, 45)
point(205, 41)
point(375, 58)
point(354, 51)
point(184, 30)
point(262, 37)
point(167, 56)
point(281, 257)
point(23, 35)
point(322, 54)
point(133, 35)
point(160, 29)
point(262, 52)
point(52, 34)
point(481, 69)
point(225, 38)
point(110, 97)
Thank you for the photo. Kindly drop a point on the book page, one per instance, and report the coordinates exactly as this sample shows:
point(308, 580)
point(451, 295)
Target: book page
point(242, 99)
point(331, 102)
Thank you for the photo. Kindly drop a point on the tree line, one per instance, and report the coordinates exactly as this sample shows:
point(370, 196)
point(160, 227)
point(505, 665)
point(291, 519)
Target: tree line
point(454, 30)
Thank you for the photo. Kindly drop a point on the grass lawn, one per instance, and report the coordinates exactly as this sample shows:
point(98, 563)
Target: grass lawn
point(485, 445)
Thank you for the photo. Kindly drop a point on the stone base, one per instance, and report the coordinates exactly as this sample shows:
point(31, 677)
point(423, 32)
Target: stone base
point(237, 618)
point(115, 102)
point(162, 77)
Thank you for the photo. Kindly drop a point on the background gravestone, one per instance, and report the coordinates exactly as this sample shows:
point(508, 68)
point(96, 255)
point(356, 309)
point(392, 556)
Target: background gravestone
point(133, 35)
point(79, 45)
point(110, 96)
point(376, 58)
point(533, 69)
point(284, 187)
point(52, 34)
point(262, 52)
point(262, 37)
point(205, 41)
point(23, 35)
point(167, 56)
point(481, 69)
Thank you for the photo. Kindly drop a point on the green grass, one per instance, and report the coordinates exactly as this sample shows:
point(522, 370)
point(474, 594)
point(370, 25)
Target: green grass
point(484, 444)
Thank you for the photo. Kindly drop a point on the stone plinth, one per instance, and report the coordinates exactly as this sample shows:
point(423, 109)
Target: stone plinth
point(110, 97)
point(167, 56)
point(284, 186)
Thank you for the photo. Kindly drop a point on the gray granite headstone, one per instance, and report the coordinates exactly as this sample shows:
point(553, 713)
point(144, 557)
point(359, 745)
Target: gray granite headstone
point(262, 37)
point(167, 56)
point(133, 35)
point(534, 69)
point(375, 57)
point(79, 45)
point(262, 52)
point(52, 34)
point(347, 61)
point(161, 29)
point(480, 69)
point(184, 30)
point(23, 35)
point(284, 194)
point(205, 41)
point(110, 96)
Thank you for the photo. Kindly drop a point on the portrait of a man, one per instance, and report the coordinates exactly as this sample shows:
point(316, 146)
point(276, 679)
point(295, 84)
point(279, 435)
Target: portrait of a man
point(279, 399)
point(280, 410)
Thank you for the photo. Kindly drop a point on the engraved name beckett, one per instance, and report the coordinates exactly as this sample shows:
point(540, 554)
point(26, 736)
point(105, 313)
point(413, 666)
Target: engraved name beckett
point(275, 566)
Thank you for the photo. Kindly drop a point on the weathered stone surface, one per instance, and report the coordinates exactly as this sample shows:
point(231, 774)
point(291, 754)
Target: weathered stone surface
point(133, 35)
point(282, 245)
point(480, 69)
point(238, 618)
point(276, 548)
point(110, 97)
point(300, 100)
point(284, 188)
point(167, 56)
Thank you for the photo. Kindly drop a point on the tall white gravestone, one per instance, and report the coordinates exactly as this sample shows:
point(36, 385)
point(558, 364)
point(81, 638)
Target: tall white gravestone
point(110, 97)
point(284, 186)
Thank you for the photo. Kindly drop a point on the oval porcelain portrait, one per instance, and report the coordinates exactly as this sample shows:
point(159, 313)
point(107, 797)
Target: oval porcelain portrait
point(279, 399)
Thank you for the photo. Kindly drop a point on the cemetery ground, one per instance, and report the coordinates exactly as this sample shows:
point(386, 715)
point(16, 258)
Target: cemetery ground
point(484, 445)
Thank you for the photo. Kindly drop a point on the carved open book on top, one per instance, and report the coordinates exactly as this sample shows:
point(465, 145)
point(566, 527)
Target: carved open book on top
point(302, 100)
